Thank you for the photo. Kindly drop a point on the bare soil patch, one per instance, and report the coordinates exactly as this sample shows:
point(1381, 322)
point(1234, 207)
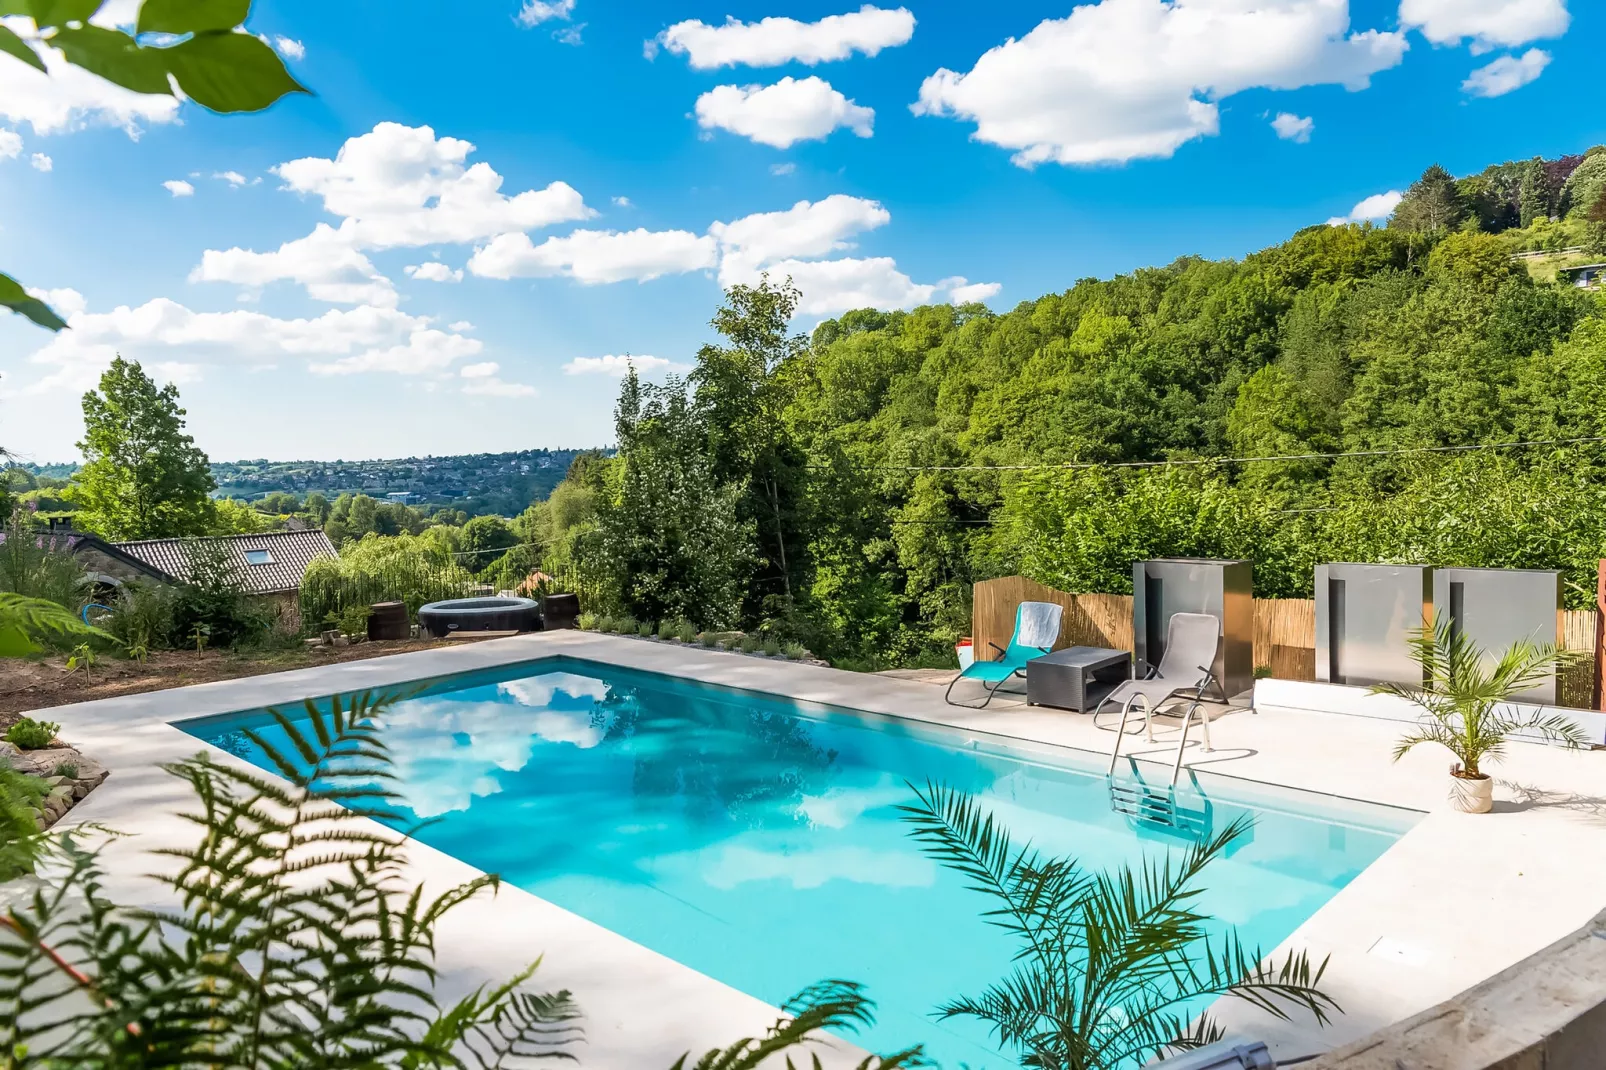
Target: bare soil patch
point(29, 684)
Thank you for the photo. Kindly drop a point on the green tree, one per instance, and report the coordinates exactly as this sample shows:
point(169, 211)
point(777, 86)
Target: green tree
point(142, 477)
point(485, 539)
point(669, 536)
point(1431, 203)
point(190, 44)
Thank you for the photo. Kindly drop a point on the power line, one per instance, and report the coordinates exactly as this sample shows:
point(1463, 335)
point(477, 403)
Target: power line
point(1075, 465)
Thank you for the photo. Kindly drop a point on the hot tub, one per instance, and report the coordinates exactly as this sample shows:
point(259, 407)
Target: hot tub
point(440, 619)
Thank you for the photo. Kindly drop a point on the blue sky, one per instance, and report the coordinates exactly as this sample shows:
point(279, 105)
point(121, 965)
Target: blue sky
point(919, 152)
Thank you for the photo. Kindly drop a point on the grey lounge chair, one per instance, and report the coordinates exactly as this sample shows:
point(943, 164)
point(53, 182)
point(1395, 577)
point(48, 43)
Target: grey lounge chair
point(1183, 675)
point(1037, 628)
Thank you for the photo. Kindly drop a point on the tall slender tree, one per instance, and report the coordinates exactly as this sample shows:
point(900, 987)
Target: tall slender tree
point(143, 477)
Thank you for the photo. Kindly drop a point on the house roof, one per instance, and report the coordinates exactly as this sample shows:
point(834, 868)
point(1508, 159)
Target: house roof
point(266, 563)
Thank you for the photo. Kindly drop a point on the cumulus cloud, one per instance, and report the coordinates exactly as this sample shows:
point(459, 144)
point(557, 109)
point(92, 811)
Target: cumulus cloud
point(962, 292)
point(40, 162)
point(1506, 74)
point(290, 48)
point(233, 178)
point(772, 42)
point(484, 380)
point(326, 262)
point(1127, 79)
point(622, 202)
point(10, 144)
point(807, 229)
point(596, 256)
point(1489, 24)
point(833, 286)
point(178, 187)
point(535, 12)
point(403, 186)
point(1377, 206)
point(69, 97)
point(787, 168)
point(434, 271)
point(782, 114)
point(162, 331)
point(1291, 127)
point(619, 365)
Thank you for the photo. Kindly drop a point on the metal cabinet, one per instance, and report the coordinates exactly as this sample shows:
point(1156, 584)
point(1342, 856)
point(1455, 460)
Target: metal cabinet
point(1496, 607)
point(1364, 617)
point(1223, 589)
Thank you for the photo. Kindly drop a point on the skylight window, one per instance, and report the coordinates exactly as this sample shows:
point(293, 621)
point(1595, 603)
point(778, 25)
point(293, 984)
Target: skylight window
point(258, 557)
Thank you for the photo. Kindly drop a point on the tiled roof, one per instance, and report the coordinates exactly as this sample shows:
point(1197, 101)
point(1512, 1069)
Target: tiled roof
point(287, 554)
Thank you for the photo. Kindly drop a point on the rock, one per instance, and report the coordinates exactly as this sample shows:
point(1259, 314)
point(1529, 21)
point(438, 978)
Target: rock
point(10, 752)
point(43, 763)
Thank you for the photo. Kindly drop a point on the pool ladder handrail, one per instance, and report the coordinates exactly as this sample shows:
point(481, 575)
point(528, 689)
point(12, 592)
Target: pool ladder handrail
point(1148, 722)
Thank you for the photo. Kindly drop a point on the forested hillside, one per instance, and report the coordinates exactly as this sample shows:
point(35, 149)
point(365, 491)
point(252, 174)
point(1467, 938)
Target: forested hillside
point(847, 488)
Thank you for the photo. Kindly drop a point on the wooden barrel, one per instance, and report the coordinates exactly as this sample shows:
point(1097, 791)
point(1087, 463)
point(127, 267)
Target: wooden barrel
point(388, 620)
point(560, 610)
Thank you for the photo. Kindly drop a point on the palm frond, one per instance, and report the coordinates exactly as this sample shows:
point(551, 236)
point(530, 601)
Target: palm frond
point(839, 1005)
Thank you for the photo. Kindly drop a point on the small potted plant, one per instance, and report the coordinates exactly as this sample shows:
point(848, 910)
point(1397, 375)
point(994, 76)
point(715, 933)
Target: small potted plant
point(1467, 706)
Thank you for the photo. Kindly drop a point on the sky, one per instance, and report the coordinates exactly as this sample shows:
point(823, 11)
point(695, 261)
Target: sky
point(485, 212)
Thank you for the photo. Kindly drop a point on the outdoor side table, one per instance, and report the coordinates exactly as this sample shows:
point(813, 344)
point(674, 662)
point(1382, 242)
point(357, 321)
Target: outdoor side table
point(1076, 678)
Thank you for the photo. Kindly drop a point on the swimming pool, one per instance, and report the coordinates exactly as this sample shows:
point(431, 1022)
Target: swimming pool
point(757, 840)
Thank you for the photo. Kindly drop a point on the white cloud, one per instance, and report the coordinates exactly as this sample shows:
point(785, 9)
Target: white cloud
point(66, 301)
point(772, 41)
point(1127, 79)
point(326, 262)
point(483, 370)
point(1490, 24)
point(535, 12)
point(832, 286)
point(1377, 206)
point(806, 229)
point(462, 325)
point(70, 97)
point(782, 114)
point(233, 178)
point(402, 186)
point(483, 380)
point(1506, 74)
point(619, 365)
point(622, 202)
point(787, 168)
point(40, 162)
point(179, 188)
point(569, 35)
point(596, 256)
point(366, 338)
point(1291, 127)
point(290, 48)
point(963, 292)
point(10, 144)
point(434, 271)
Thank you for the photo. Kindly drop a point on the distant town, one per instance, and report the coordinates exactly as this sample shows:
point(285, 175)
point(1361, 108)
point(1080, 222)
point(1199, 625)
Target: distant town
point(477, 483)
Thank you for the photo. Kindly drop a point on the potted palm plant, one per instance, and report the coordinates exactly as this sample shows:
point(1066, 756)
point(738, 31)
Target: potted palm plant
point(1467, 708)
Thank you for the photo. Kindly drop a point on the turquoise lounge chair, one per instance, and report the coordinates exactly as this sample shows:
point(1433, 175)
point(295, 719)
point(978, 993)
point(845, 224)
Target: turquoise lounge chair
point(1037, 628)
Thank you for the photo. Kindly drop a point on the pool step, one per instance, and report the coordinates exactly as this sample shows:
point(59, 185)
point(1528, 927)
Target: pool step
point(1160, 809)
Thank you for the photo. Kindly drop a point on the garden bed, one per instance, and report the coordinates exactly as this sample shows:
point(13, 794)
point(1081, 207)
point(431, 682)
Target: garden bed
point(39, 683)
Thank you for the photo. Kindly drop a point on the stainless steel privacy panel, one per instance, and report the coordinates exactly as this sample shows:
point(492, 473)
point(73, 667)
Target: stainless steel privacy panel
point(1223, 589)
point(1496, 607)
point(1364, 616)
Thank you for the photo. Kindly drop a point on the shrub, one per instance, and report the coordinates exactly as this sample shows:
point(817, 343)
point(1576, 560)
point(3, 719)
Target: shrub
point(40, 566)
point(709, 639)
point(747, 644)
point(794, 651)
point(353, 620)
point(29, 734)
point(142, 616)
point(212, 601)
point(667, 629)
point(606, 625)
point(645, 629)
point(66, 769)
point(627, 625)
point(686, 632)
point(771, 647)
point(589, 622)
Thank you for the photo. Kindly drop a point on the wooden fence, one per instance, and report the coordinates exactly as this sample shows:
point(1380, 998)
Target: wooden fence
point(1285, 629)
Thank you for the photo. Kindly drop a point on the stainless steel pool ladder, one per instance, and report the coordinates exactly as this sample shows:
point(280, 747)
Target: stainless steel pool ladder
point(1194, 706)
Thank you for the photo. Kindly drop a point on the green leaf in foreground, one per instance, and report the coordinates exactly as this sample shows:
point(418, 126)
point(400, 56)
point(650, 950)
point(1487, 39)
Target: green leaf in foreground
point(13, 45)
point(191, 16)
point(20, 301)
point(61, 12)
point(230, 72)
point(115, 57)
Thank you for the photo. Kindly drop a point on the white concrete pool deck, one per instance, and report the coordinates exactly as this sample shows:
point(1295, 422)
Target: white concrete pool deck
point(1457, 899)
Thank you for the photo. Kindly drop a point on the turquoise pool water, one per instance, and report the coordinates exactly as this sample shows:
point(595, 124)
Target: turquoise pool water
point(757, 841)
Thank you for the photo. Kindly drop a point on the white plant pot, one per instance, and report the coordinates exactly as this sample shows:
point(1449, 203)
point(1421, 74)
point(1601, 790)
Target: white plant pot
point(966, 654)
point(1471, 796)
